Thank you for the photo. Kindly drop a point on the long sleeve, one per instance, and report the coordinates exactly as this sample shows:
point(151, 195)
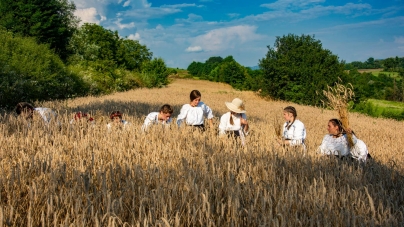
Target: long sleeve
point(208, 112)
point(150, 118)
point(296, 133)
point(224, 119)
point(183, 114)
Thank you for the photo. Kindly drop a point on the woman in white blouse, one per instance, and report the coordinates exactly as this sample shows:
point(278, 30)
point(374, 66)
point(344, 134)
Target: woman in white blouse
point(294, 132)
point(193, 114)
point(234, 122)
point(336, 142)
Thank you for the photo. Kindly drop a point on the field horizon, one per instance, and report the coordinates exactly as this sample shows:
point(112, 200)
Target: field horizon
point(88, 175)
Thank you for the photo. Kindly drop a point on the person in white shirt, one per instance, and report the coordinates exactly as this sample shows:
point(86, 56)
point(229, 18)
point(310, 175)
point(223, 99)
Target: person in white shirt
point(336, 143)
point(193, 114)
point(28, 112)
point(294, 132)
point(116, 121)
point(163, 117)
point(234, 123)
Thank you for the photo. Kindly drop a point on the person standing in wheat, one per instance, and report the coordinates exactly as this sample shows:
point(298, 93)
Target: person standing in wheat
point(293, 131)
point(193, 114)
point(234, 123)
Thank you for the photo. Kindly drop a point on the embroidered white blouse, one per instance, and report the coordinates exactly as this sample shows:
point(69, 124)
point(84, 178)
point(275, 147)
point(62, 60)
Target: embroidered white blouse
point(226, 126)
point(296, 133)
point(336, 146)
point(152, 118)
point(46, 113)
point(194, 115)
point(359, 151)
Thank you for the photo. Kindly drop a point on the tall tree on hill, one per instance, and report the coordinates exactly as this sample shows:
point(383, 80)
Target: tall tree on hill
point(51, 22)
point(297, 67)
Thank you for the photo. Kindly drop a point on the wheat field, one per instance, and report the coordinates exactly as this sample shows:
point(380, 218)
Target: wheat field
point(88, 176)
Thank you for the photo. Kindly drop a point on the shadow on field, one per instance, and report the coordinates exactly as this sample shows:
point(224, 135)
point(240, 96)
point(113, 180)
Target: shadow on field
point(130, 108)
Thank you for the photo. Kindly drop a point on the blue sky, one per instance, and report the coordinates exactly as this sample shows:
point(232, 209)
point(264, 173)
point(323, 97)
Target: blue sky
point(182, 31)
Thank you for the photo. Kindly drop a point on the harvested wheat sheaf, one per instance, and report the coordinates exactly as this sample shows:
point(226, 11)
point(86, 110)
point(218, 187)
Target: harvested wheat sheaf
point(338, 98)
point(89, 176)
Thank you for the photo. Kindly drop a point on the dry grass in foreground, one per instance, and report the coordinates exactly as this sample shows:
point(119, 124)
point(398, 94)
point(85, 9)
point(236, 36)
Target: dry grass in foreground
point(87, 176)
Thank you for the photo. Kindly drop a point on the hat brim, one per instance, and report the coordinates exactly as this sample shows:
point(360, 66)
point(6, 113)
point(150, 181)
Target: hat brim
point(233, 108)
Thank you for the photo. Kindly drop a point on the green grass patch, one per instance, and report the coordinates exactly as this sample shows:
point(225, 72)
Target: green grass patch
point(381, 108)
point(390, 74)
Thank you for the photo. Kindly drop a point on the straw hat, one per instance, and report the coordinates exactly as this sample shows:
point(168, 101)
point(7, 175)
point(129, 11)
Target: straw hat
point(236, 105)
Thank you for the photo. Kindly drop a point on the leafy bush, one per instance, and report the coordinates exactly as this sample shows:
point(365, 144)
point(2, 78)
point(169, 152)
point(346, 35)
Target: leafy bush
point(31, 71)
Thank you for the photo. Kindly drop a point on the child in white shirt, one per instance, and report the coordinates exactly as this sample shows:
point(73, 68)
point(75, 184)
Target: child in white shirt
point(294, 132)
point(163, 117)
point(116, 121)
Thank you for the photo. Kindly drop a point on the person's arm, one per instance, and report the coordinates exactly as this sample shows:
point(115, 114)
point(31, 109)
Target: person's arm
point(182, 115)
point(244, 123)
point(208, 113)
point(223, 124)
point(299, 134)
point(147, 122)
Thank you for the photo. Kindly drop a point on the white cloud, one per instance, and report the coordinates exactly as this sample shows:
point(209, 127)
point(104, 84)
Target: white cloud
point(191, 18)
point(399, 39)
point(194, 49)
point(284, 4)
point(233, 15)
point(135, 36)
point(183, 5)
point(88, 15)
point(126, 3)
point(123, 26)
point(226, 38)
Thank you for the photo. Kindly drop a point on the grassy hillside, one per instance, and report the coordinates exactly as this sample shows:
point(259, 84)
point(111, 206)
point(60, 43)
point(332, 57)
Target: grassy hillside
point(89, 176)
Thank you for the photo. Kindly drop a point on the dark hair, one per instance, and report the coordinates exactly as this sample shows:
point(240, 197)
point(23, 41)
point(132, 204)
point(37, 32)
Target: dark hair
point(292, 110)
point(194, 94)
point(166, 109)
point(337, 122)
point(24, 107)
point(115, 114)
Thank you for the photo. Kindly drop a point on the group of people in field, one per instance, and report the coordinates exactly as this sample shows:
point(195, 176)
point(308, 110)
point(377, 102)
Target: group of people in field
point(233, 124)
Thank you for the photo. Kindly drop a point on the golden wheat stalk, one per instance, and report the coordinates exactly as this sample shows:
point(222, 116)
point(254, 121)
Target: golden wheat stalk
point(337, 99)
point(277, 126)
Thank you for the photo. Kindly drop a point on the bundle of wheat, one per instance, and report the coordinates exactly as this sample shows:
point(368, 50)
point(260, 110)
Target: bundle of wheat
point(337, 99)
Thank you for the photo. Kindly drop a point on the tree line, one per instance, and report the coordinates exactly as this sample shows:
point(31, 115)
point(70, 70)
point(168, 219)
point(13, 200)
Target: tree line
point(45, 55)
point(392, 64)
point(297, 68)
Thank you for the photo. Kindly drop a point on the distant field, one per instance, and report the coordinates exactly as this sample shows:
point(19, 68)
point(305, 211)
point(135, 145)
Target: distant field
point(382, 108)
point(387, 104)
point(181, 73)
point(376, 72)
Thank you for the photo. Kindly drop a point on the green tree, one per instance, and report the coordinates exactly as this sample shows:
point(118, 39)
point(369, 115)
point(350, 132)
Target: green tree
point(50, 22)
point(31, 71)
point(93, 43)
point(297, 67)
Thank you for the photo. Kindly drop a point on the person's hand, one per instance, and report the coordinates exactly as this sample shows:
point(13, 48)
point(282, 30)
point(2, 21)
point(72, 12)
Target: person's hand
point(349, 130)
point(243, 121)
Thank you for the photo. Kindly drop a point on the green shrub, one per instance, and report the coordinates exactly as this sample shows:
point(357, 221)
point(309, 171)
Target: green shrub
point(31, 71)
